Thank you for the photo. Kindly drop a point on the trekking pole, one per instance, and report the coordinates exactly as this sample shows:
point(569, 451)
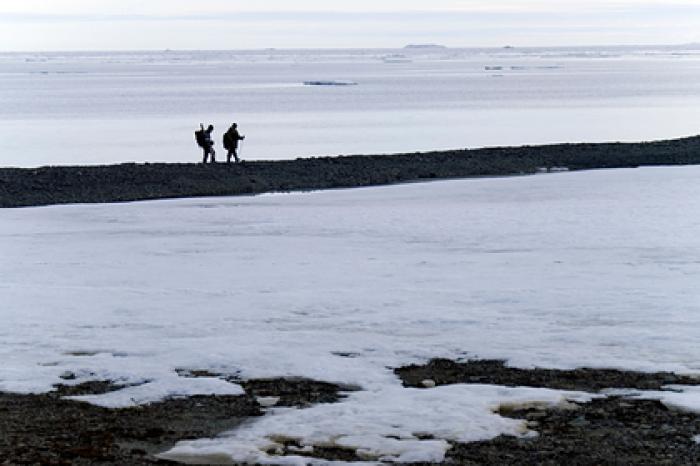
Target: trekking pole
point(240, 150)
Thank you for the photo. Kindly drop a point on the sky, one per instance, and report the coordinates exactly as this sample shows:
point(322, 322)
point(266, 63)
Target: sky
point(45, 25)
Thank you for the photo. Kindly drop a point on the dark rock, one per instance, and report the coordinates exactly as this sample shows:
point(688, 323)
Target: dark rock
point(445, 371)
point(131, 182)
point(46, 429)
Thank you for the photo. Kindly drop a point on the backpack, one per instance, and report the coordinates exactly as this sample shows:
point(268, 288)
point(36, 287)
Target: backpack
point(199, 137)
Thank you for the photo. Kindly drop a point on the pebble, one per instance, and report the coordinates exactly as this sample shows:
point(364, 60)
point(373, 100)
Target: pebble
point(428, 383)
point(267, 401)
point(579, 422)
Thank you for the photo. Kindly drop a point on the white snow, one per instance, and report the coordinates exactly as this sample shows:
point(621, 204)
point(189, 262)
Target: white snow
point(681, 397)
point(151, 392)
point(572, 269)
point(381, 424)
point(267, 401)
point(684, 398)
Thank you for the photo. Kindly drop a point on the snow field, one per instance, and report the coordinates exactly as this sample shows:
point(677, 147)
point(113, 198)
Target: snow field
point(594, 269)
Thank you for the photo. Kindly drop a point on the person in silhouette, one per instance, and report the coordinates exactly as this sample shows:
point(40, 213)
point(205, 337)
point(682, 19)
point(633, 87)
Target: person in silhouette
point(231, 138)
point(205, 141)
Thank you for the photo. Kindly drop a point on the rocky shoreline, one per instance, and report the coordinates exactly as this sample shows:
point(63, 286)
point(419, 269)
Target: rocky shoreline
point(23, 187)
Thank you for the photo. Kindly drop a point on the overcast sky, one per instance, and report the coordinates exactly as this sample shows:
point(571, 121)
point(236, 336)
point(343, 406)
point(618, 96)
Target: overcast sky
point(232, 24)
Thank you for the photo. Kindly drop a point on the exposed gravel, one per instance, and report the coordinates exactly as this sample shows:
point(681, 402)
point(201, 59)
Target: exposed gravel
point(445, 372)
point(607, 431)
point(610, 431)
point(129, 182)
point(45, 429)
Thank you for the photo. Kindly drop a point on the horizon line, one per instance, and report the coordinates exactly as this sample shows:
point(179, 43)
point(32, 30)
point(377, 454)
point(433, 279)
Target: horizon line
point(410, 46)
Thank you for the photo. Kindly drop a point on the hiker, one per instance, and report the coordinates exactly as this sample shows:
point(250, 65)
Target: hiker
point(231, 138)
point(205, 141)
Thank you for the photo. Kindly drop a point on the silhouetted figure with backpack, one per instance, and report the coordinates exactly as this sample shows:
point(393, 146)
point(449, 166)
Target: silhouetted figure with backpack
point(205, 141)
point(231, 138)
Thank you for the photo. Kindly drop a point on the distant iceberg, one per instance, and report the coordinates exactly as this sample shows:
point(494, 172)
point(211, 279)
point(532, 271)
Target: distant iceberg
point(330, 83)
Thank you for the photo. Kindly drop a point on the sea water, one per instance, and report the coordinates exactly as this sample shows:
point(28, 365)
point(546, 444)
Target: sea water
point(111, 107)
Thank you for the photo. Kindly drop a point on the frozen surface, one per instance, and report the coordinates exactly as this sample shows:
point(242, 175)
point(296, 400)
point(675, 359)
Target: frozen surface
point(679, 397)
point(563, 270)
point(381, 424)
point(148, 392)
point(684, 398)
point(109, 107)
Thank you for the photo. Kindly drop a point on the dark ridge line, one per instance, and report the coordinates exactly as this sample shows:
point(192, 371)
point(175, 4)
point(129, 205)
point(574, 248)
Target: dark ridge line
point(495, 372)
point(25, 187)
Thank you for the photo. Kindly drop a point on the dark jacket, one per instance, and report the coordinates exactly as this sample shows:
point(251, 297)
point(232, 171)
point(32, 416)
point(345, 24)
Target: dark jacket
point(231, 138)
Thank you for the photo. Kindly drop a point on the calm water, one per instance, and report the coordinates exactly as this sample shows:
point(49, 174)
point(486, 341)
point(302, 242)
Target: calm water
point(89, 108)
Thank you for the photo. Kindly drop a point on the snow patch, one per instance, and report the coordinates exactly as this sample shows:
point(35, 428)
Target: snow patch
point(153, 392)
point(389, 424)
point(681, 397)
point(267, 401)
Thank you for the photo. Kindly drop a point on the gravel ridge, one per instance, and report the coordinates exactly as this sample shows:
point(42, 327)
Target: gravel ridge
point(24, 187)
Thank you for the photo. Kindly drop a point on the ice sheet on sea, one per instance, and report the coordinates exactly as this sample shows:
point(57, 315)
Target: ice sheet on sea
point(594, 269)
point(387, 424)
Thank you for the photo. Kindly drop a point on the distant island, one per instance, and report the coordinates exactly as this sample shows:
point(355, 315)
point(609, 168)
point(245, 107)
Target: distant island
point(425, 46)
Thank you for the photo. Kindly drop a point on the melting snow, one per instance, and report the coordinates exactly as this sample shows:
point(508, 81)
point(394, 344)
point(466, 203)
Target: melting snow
point(574, 269)
point(381, 424)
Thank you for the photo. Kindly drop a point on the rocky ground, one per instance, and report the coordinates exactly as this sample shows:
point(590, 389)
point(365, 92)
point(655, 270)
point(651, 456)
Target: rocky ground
point(129, 182)
point(46, 429)
point(606, 431)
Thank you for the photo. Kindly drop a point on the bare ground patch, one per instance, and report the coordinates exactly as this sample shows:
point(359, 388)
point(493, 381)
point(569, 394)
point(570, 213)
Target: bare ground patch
point(494, 372)
point(46, 429)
